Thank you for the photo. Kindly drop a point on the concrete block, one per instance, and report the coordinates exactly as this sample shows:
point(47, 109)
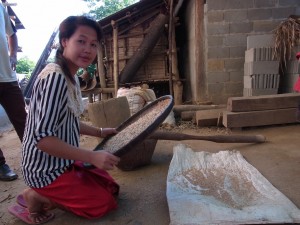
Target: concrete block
point(237, 52)
point(259, 54)
point(229, 4)
point(214, 65)
point(215, 16)
point(255, 92)
point(236, 76)
point(235, 28)
point(289, 3)
point(283, 13)
point(264, 4)
point(217, 28)
point(233, 88)
point(218, 77)
point(261, 67)
point(249, 82)
point(214, 40)
point(260, 81)
point(265, 26)
point(235, 40)
point(234, 64)
point(258, 41)
point(218, 52)
point(259, 14)
point(235, 15)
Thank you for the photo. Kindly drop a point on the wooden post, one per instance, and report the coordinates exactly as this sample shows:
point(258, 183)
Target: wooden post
point(116, 62)
point(200, 82)
point(101, 70)
point(170, 48)
point(177, 84)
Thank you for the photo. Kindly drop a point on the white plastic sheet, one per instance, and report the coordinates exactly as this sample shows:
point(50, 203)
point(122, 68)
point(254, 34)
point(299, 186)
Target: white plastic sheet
point(222, 188)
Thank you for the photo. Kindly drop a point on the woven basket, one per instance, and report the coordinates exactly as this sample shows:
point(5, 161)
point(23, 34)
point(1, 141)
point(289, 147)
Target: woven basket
point(138, 156)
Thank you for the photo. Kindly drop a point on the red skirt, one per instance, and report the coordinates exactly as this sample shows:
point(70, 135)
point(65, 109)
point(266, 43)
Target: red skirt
point(89, 193)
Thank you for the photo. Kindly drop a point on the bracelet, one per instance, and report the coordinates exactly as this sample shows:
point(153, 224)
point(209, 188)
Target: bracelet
point(100, 130)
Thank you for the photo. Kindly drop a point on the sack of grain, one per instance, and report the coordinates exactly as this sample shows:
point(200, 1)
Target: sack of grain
point(137, 97)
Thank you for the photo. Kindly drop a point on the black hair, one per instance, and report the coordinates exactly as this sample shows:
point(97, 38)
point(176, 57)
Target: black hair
point(66, 29)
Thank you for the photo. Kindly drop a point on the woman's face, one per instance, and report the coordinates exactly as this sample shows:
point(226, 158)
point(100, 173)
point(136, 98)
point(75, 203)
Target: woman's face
point(80, 49)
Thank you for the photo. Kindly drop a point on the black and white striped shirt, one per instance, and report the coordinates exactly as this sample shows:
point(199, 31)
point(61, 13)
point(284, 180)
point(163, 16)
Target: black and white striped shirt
point(49, 115)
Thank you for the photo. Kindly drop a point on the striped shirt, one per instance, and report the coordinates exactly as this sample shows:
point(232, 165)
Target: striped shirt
point(49, 115)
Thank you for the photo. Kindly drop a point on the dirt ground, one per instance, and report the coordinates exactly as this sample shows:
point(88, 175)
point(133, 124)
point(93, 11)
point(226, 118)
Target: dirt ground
point(142, 199)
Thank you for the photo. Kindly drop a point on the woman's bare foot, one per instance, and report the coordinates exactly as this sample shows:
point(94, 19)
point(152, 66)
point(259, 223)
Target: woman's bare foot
point(38, 206)
point(41, 217)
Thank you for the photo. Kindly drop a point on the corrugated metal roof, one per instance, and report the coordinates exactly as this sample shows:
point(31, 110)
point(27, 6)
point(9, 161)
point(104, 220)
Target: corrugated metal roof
point(133, 12)
point(17, 21)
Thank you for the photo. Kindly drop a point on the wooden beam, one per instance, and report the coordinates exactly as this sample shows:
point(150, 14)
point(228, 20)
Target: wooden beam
point(259, 118)
point(144, 50)
point(264, 102)
point(178, 109)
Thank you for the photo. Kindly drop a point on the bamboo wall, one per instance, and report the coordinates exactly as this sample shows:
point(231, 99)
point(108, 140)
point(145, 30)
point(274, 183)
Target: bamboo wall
point(155, 67)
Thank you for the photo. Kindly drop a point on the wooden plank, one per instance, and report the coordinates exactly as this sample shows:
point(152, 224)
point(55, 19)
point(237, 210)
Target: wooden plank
point(265, 102)
point(259, 118)
point(178, 109)
point(209, 117)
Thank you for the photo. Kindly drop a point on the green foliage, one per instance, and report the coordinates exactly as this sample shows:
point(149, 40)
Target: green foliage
point(90, 69)
point(25, 65)
point(100, 9)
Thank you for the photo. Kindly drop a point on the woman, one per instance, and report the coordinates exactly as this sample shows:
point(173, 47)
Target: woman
point(52, 161)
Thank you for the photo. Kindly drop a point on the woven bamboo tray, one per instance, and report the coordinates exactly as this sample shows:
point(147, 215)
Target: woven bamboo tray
point(138, 127)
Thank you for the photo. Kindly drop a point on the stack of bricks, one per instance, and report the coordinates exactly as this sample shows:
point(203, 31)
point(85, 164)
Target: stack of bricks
point(261, 71)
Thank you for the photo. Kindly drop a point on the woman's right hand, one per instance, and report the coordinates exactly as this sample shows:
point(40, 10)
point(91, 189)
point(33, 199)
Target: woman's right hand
point(104, 160)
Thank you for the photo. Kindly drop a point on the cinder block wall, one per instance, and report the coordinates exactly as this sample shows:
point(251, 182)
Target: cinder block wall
point(227, 25)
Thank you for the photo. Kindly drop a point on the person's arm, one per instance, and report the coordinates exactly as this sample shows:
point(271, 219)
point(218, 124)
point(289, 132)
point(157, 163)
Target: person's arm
point(13, 49)
point(56, 147)
point(96, 132)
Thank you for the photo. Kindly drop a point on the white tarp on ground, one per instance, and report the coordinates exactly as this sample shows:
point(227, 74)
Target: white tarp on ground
point(222, 188)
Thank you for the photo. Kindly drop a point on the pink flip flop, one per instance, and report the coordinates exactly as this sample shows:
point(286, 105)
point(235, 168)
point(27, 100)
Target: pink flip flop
point(21, 201)
point(23, 214)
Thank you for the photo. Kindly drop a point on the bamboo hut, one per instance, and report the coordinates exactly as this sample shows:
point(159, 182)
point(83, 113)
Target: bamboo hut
point(135, 47)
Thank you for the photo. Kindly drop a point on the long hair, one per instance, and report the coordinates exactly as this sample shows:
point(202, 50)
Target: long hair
point(66, 29)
